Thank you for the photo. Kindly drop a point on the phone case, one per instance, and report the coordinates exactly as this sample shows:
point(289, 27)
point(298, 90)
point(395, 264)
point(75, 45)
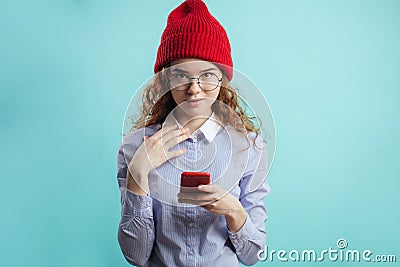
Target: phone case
point(194, 179)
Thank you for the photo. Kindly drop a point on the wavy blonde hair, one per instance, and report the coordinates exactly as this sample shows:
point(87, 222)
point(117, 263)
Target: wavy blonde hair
point(158, 103)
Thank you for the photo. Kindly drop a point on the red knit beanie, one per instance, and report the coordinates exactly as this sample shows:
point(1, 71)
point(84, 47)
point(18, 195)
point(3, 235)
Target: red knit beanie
point(192, 32)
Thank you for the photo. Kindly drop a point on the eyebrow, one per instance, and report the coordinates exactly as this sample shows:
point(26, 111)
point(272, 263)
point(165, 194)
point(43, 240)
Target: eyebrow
point(180, 70)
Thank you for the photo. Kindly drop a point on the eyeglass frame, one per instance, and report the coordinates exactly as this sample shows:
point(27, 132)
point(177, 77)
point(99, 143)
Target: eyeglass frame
point(198, 82)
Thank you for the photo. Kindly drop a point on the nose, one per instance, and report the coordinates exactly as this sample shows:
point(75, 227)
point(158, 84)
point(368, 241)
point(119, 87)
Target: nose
point(194, 87)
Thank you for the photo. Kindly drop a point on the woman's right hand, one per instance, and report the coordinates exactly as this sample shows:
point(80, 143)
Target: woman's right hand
point(153, 152)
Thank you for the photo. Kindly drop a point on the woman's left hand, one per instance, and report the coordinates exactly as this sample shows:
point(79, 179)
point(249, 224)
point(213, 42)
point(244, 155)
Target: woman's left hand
point(213, 198)
point(217, 200)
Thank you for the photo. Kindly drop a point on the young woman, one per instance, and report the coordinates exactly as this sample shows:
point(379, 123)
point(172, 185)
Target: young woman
point(192, 121)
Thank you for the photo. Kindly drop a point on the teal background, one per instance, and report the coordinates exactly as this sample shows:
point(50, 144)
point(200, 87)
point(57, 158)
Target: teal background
point(329, 70)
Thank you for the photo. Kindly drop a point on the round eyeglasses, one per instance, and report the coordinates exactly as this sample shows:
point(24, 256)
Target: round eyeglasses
point(207, 81)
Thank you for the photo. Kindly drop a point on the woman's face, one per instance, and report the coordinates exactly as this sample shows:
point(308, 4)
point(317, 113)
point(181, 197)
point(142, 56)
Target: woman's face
point(192, 98)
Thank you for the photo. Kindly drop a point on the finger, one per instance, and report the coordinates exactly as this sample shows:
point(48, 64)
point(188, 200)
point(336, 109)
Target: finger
point(197, 196)
point(185, 189)
point(166, 137)
point(194, 202)
point(208, 188)
point(166, 134)
point(187, 201)
point(209, 206)
point(175, 153)
point(164, 130)
point(175, 140)
point(159, 136)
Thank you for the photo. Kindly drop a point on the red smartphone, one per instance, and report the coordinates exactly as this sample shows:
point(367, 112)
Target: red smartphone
point(194, 179)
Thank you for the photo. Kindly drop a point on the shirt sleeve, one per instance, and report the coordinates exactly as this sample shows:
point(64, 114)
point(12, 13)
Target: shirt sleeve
point(251, 238)
point(136, 227)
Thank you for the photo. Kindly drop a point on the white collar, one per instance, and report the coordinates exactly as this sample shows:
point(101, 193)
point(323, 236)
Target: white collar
point(209, 128)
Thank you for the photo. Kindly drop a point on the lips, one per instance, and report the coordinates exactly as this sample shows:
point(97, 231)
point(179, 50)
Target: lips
point(194, 102)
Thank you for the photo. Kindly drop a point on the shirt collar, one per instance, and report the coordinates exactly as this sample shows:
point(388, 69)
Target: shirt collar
point(209, 128)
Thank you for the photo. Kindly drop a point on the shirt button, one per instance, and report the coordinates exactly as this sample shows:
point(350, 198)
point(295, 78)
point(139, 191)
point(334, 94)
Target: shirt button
point(235, 241)
point(191, 147)
point(191, 252)
point(191, 225)
point(238, 253)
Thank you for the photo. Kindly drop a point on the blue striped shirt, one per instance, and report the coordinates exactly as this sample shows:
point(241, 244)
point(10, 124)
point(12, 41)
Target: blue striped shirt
point(156, 230)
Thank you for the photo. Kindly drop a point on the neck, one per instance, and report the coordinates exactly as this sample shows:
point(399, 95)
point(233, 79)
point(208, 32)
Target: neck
point(189, 122)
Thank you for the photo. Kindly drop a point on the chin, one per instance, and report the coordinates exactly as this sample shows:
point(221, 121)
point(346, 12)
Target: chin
point(195, 112)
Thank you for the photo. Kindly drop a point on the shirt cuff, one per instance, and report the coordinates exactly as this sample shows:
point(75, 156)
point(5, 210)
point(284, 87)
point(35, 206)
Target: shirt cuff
point(137, 205)
point(242, 236)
